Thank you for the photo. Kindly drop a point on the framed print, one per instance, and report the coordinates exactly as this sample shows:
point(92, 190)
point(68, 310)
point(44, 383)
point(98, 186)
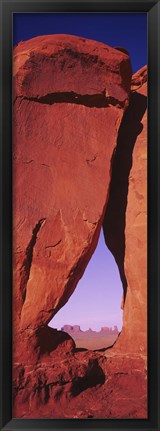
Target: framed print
point(79, 219)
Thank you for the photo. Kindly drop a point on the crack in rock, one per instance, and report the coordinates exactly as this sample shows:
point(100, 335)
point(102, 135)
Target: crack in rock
point(53, 245)
point(26, 266)
point(91, 101)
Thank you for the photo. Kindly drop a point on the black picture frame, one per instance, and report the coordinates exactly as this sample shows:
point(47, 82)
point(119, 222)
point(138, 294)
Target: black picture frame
point(152, 8)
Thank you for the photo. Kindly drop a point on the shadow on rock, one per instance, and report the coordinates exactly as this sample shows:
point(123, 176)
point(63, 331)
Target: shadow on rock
point(50, 339)
point(94, 376)
point(114, 219)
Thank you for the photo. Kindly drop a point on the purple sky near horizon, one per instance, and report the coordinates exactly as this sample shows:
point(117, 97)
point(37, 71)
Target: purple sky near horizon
point(97, 297)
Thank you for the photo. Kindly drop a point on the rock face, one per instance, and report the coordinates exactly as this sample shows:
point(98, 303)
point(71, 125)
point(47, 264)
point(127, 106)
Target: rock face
point(83, 385)
point(135, 263)
point(70, 95)
point(60, 64)
point(65, 90)
point(126, 235)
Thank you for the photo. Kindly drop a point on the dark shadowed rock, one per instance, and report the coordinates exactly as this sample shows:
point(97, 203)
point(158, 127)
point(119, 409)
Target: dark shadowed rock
point(125, 221)
point(134, 333)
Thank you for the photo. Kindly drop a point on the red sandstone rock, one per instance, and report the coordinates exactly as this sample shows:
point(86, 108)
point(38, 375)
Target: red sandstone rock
point(65, 131)
point(83, 385)
point(138, 79)
point(62, 63)
point(125, 222)
point(70, 95)
point(134, 332)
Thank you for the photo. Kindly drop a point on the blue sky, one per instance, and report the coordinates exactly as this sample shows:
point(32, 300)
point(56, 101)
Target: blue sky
point(128, 30)
point(96, 300)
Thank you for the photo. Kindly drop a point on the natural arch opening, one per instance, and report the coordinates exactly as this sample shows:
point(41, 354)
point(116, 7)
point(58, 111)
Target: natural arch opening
point(114, 232)
point(93, 315)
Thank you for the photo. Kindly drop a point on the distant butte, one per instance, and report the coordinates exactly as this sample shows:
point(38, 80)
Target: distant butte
point(76, 329)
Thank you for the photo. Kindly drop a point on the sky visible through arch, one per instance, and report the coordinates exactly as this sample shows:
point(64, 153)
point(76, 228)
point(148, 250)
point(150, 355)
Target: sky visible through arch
point(96, 300)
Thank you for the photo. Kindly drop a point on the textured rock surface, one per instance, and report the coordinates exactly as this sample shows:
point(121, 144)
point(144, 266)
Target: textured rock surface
point(70, 95)
point(69, 99)
point(135, 311)
point(126, 235)
point(61, 64)
point(81, 385)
